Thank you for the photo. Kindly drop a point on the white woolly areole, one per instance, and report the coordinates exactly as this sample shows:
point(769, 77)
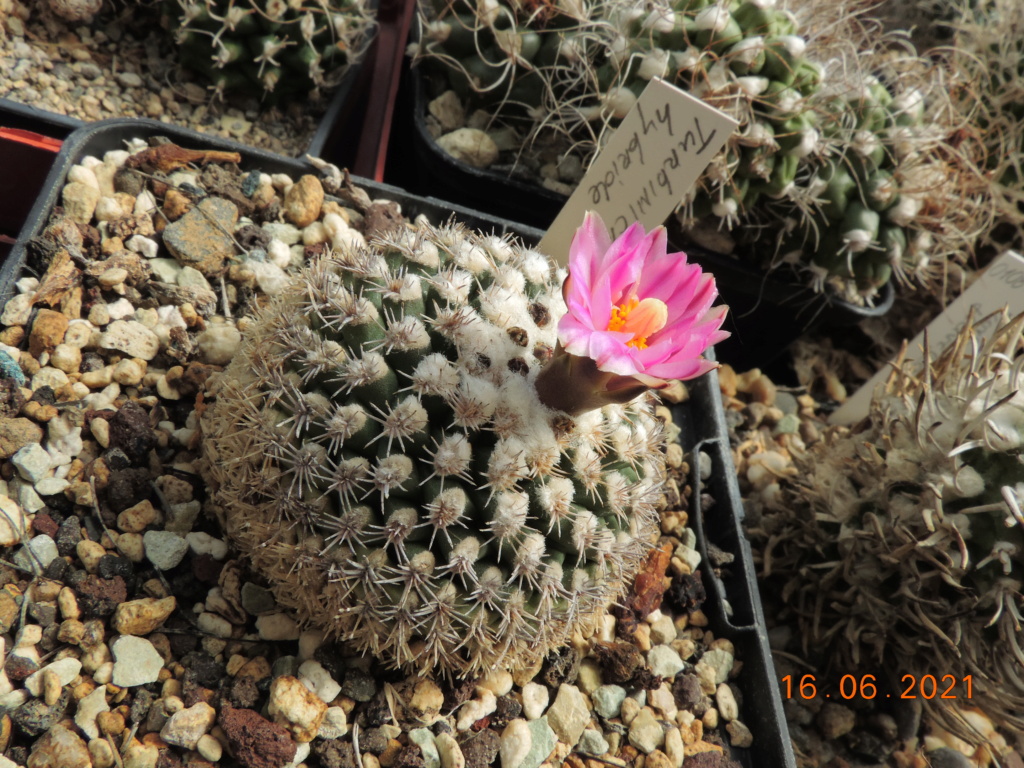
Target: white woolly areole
point(536, 267)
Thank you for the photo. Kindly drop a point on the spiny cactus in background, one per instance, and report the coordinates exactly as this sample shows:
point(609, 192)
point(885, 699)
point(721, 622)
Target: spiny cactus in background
point(903, 544)
point(987, 56)
point(839, 166)
point(384, 449)
point(273, 48)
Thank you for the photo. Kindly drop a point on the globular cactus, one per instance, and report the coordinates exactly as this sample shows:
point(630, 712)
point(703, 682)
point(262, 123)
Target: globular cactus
point(269, 48)
point(902, 546)
point(839, 165)
point(380, 451)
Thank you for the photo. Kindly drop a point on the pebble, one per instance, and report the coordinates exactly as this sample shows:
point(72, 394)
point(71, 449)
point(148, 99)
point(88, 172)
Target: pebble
point(296, 708)
point(427, 697)
point(470, 145)
point(334, 724)
point(674, 748)
point(476, 709)
point(140, 617)
point(218, 344)
point(835, 720)
point(79, 202)
point(303, 200)
point(187, 726)
point(277, 626)
point(202, 543)
point(449, 751)
point(608, 700)
point(132, 338)
point(592, 742)
point(89, 707)
point(664, 661)
point(739, 735)
point(201, 237)
point(719, 661)
point(32, 462)
point(526, 744)
point(60, 747)
point(535, 700)
point(15, 434)
point(725, 700)
point(213, 624)
point(66, 670)
point(38, 553)
point(136, 661)
point(645, 732)
point(164, 549)
point(319, 680)
point(13, 524)
point(424, 739)
point(569, 714)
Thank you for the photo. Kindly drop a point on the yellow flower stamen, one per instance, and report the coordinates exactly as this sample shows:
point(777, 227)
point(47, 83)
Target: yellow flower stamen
point(640, 318)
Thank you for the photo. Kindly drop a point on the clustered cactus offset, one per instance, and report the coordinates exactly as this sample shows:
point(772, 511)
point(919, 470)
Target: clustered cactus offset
point(271, 48)
point(903, 544)
point(382, 448)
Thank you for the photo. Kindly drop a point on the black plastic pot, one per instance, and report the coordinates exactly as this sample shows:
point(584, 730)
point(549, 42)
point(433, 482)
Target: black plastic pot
point(487, 190)
point(733, 605)
point(769, 310)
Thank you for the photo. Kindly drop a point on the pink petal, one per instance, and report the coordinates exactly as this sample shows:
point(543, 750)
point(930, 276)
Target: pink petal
point(587, 251)
point(611, 354)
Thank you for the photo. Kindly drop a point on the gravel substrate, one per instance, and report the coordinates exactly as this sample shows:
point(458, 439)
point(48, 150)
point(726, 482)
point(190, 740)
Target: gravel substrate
point(123, 65)
point(132, 636)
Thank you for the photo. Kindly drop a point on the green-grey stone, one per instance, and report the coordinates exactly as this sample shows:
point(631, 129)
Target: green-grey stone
point(257, 600)
point(202, 237)
point(608, 700)
point(424, 739)
point(788, 425)
point(286, 665)
point(593, 742)
point(542, 743)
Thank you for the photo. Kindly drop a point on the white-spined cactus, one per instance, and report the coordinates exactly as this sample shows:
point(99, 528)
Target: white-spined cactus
point(903, 544)
point(406, 450)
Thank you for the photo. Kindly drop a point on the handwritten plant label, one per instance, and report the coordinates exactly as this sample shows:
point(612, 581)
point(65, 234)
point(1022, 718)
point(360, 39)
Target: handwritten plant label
point(1000, 285)
point(652, 159)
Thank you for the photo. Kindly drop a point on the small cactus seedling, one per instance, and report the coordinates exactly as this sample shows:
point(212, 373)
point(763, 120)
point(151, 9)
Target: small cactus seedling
point(272, 48)
point(408, 452)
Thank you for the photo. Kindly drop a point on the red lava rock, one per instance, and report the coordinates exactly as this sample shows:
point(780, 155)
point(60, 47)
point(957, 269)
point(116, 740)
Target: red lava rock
point(256, 742)
point(18, 667)
point(46, 524)
point(709, 760)
point(99, 597)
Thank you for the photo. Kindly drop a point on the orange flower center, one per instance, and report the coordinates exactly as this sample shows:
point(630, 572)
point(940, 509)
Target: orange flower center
point(640, 318)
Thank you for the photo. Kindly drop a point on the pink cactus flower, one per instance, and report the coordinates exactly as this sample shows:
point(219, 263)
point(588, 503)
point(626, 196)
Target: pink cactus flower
point(634, 308)
point(637, 317)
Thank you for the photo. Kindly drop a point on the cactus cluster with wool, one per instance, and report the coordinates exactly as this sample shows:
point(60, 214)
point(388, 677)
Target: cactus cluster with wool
point(903, 544)
point(270, 48)
point(418, 466)
point(839, 166)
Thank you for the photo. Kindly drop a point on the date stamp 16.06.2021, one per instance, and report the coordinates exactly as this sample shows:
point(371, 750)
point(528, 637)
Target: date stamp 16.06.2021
point(867, 687)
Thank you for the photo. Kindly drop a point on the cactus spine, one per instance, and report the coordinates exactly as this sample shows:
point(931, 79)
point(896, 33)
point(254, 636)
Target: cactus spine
point(379, 451)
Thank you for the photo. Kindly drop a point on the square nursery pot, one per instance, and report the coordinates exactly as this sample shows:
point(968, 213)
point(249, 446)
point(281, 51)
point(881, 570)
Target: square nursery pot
point(733, 605)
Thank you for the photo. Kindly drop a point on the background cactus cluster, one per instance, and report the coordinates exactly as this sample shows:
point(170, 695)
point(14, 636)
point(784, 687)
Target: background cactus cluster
point(901, 548)
point(379, 451)
point(272, 48)
point(840, 165)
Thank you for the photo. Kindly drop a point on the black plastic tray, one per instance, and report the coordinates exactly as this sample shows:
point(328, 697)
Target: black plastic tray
point(105, 135)
point(733, 604)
